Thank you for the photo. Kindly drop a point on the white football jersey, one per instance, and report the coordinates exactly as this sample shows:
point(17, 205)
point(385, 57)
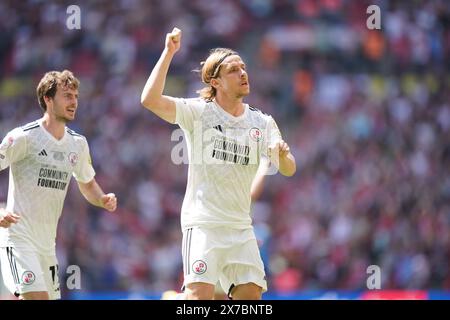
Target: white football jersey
point(40, 169)
point(224, 155)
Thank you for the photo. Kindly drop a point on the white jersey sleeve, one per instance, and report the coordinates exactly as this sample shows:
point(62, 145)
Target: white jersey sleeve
point(13, 148)
point(188, 111)
point(273, 135)
point(84, 172)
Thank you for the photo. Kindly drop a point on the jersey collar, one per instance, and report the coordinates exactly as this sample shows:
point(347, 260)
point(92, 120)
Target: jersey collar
point(230, 116)
point(50, 136)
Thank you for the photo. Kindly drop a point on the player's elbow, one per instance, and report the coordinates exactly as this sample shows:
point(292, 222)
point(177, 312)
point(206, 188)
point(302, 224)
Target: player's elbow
point(151, 103)
point(145, 102)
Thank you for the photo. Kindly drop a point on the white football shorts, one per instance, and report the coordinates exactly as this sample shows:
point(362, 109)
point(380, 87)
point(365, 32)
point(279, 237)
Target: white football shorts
point(225, 255)
point(26, 271)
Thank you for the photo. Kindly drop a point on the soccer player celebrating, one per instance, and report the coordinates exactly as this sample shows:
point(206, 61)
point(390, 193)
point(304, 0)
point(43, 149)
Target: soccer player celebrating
point(226, 140)
point(42, 157)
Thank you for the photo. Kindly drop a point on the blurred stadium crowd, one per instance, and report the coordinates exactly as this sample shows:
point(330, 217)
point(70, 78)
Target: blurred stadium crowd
point(366, 114)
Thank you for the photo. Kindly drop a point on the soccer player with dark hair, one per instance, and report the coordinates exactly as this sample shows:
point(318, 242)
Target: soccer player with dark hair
point(42, 156)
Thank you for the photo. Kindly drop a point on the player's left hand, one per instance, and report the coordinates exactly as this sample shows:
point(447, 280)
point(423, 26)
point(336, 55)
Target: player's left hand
point(8, 218)
point(280, 148)
point(173, 40)
point(109, 202)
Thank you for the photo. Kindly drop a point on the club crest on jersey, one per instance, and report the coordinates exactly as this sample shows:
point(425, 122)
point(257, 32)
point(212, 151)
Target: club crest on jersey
point(28, 277)
point(255, 134)
point(73, 158)
point(199, 267)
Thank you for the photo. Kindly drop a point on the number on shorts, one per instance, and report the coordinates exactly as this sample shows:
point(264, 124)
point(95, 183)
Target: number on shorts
point(54, 269)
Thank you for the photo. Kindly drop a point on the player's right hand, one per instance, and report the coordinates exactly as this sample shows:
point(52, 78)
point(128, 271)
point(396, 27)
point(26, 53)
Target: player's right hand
point(109, 202)
point(173, 40)
point(8, 218)
point(279, 150)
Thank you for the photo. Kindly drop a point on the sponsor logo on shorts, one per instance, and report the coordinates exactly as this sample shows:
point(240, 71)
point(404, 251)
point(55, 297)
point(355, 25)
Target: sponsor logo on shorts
point(199, 267)
point(28, 277)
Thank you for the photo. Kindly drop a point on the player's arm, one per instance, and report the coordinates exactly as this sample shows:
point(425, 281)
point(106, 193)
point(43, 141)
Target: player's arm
point(95, 195)
point(279, 152)
point(12, 149)
point(152, 96)
point(283, 159)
